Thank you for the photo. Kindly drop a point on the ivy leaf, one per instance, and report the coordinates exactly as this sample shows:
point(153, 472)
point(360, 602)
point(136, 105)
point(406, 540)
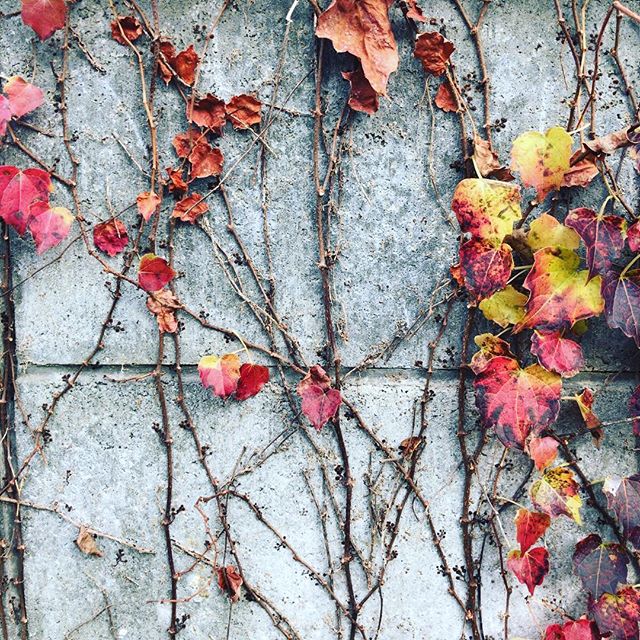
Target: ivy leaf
point(19, 191)
point(485, 158)
point(320, 402)
point(111, 236)
point(189, 209)
point(129, 26)
point(484, 268)
point(623, 498)
point(44, 16)
point(487, 209)
point(184, 143)
point(602, 235)
point(243, 111)
point(560, 294)
point(50, 226)
point(516, 401)
point(362, 96)
point(363, 29)
point(622, 302)
point(433, 50)
point(205, 161)
point(208, 112)
point(618, 614)
point(580, 173)
point(490, 347)
point(185, 64)
point(584, 401)
point(556, 494)
point(546, 231)
point(230, 581)
point(163, 305)
point(23, 96)
point(633, 236)
point(582, 629)
point(530, 527)
point(86, 542)
point(5, 115)
point(147, 202)
point(154, 273)
point(542, 159)
point(529, 567)
point(543, 451)
point(176, 181)
point(557, 353)
point(445, 99)
point(504, 307)
point(600, 566)
point(252, 378)
point(414, 12)
point(220, 373)
point(634, 410)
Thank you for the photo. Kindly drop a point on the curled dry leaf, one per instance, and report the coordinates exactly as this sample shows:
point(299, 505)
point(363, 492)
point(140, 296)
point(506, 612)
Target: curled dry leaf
point(606, 145)
point(176, 180)
point(485, 158)
point(111, 236)
point(585, 401)
point(581, 172)
point(504, 307)
point(49, 226)
point(446, 99)
point(557, 353)
point(221, 374)
point(19, 192)
point(189, 209)
point(362, 96)
point(205, 161)
point(185, 65)
point(147, 202)
point(433, 50)
point(184, 143)
point(86, 542)
point(556, 494)
point(167, 54)
point(125, 28)
point(252, 378)
point(23, 96)
point(243, 111)
point(410, 445)
point(208, 112)
point(414, 12)
point(363, 29)
point(530, 567)
point(163, 305)
point(542, 159)
point(154, 273)
point(600, 566)
point(230, 581)
point(320, 402)
point(530, 527)
point(543, 451)
point(44, 16)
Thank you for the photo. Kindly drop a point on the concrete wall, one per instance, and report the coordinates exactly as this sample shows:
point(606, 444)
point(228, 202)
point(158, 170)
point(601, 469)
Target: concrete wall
point(104, 465)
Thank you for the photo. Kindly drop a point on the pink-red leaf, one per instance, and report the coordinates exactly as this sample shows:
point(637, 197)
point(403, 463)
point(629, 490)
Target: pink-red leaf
point(154, 273)
point(543, 451)
point(320, 402)
point(530, 527)
point(252, 378)
point(557, 353)
point(230, 581)
point(220, 373)
point(147, 202)
point(19, 191)
point(5, 115)
point(23, 96)
point(633, 236)
point(531, 567)
point(573, 630)
point(50, 226)
point(44, 16)
point(111, 236)
point(362, 96)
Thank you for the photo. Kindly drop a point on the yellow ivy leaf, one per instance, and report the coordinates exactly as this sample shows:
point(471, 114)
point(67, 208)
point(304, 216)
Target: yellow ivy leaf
point(542, 159)
point(504, 307)
point(546, 231)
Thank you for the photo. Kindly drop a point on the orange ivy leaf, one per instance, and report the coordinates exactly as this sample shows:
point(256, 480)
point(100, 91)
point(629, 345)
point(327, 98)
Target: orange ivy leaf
point(433, 50)
point(362, 96)
point(184, 143)
point(230, 581)
point(556, 494)
point(530, 527)
point(154, 273)
point(602, 235)
point(205, 161)
point(129, 26)
point(163, 305)
point(147, 202)
point(44, 16)
point(623, 498)
point(176, 181)
point(23, 96)
point(414, 12)
point(252, 378)
point(617, 615)
point(243, 111)
point(363, 29)
point(167, 55)
point(557, 353)
point(600, 566)
point(529, 567)
point(111, 236)
point(580, 173)
point(446, 99)
point(516, 401)
point(543, 451)
point(185, 64)
point(19, 191)
point(490, 347)
point(484, 268)
point(208, 112)
point(189, 209)
point(320, 402)
point(560, 294)
point(49, 226)
point(542, 159)
point(220, 373)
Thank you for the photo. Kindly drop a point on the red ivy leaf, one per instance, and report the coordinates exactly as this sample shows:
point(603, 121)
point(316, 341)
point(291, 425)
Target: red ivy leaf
point(44, 16)
point(205, 161)
point(602, 235)
point(154, 273)
point(230, 581)
point(484, 268)
point(23, 96)
point(163, 305)
point(515, 401)
point(5, 115)
point(19, 191)
point(363, 30)
point(573, 630)
point(633, 236)
point(220, 373)
point(600, 566)
point(531, 567)
point(556, 494)
point(129, 25)
point(634, 410)
point(434, 51)
point(490, 347)
point(585, 404)
point(168, 53)
point(111, 236)
point(622, 302)
point(208, 112)
point(362, 96)
point(189, 209)
point(185, 64)
point(252, 378)
point(184, 143)
point(623, 498)
point(147, 202)
point(243, 111)
point(618, 614)
point(50, 226)
point(556, 353)
point(543, 451)
point(176, 181)
point(320, 402)
point(530, 527)
point(446, 100)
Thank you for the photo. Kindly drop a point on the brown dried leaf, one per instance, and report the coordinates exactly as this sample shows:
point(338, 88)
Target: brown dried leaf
point(446, 99)
point(87, 543)
point(434, 51)
point(362, 96)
